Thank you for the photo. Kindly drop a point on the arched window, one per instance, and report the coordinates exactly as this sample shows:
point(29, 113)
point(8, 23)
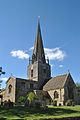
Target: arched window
point(9, 88)
point(56, 95)
point(31, 86)
point(32, 73)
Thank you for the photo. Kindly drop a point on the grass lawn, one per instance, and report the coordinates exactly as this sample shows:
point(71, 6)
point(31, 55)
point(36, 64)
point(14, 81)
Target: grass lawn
point(36, 114)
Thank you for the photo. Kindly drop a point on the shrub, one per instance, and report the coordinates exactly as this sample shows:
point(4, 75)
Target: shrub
point(70, 103)
point(8, 104)
point(37, 104)
point(54, 102)
point(73, 103)
point(21, 99)
point(31, 97)
point(26, 103)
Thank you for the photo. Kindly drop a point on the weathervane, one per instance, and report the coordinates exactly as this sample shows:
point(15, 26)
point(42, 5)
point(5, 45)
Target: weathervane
point(68, 71)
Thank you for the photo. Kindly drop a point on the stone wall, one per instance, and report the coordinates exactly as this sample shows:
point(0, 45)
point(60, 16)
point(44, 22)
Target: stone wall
point(24, 86)
point(33, 67)
point(10, 95)
point(77, 95)
point(60, 99)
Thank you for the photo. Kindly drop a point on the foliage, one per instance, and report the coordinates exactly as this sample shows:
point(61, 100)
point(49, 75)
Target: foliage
point(8, 104)
point(37, 104)
point(55, 102)
point(70, 103)
point(1, 72)
point(28, 99)
point(31, 96)
point(78, 84)
point(22, 99)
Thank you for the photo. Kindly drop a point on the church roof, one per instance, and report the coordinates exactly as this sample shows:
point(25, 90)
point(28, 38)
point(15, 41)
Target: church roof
point(21, 79)
point(26, 80)
point(38, 51)
point(56, 82)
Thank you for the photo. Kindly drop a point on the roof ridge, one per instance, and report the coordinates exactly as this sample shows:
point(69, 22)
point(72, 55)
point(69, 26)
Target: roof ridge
point(66, 78)
point(20, 78)
point(60, 75)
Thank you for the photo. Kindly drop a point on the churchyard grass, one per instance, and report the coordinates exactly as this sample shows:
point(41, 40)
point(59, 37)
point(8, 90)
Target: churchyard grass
point(36, 114)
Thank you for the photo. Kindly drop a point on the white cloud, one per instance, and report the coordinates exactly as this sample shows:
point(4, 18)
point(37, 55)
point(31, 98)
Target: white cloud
point(52, 65)
point(55, 53)
point(60, 66)
point(20, 54)
point(4, 79)
point(31, 48)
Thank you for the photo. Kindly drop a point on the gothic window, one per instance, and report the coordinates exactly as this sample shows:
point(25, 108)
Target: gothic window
point(32, 73)
point(23, 85)
point(9, 88)
point(31, 86)
point(56, 94)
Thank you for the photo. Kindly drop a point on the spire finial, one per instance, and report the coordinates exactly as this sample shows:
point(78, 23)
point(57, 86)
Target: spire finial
point(68, 71)
point(38, 18)
point(38, 22)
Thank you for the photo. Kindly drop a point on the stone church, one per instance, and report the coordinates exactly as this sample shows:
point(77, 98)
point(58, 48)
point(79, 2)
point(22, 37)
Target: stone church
point(61, 88)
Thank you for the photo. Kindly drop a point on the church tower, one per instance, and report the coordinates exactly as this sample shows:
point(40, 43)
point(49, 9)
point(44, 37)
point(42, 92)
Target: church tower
point(39, 69)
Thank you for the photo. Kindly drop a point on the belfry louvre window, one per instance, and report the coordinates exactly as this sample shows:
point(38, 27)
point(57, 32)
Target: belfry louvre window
point(23, 85)
point(9, 88)
point(32, 73)
point(31, 86)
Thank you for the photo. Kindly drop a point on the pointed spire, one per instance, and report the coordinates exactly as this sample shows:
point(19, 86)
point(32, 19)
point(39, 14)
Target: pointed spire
point(38, 51)
point(68, 71)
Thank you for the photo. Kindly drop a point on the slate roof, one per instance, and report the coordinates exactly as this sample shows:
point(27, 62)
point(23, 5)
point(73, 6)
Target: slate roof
point(26, 80)
point(56, 82)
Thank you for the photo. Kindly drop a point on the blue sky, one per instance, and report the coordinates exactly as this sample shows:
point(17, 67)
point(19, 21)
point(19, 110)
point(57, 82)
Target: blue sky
point(60, 27)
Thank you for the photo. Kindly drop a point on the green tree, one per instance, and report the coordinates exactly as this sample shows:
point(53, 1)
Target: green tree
point(31, 97)
point(22, 99)
point(1, 72)
point(78, 84)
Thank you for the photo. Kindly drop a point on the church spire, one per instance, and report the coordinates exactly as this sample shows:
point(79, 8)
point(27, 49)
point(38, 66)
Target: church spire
point(38, 51)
